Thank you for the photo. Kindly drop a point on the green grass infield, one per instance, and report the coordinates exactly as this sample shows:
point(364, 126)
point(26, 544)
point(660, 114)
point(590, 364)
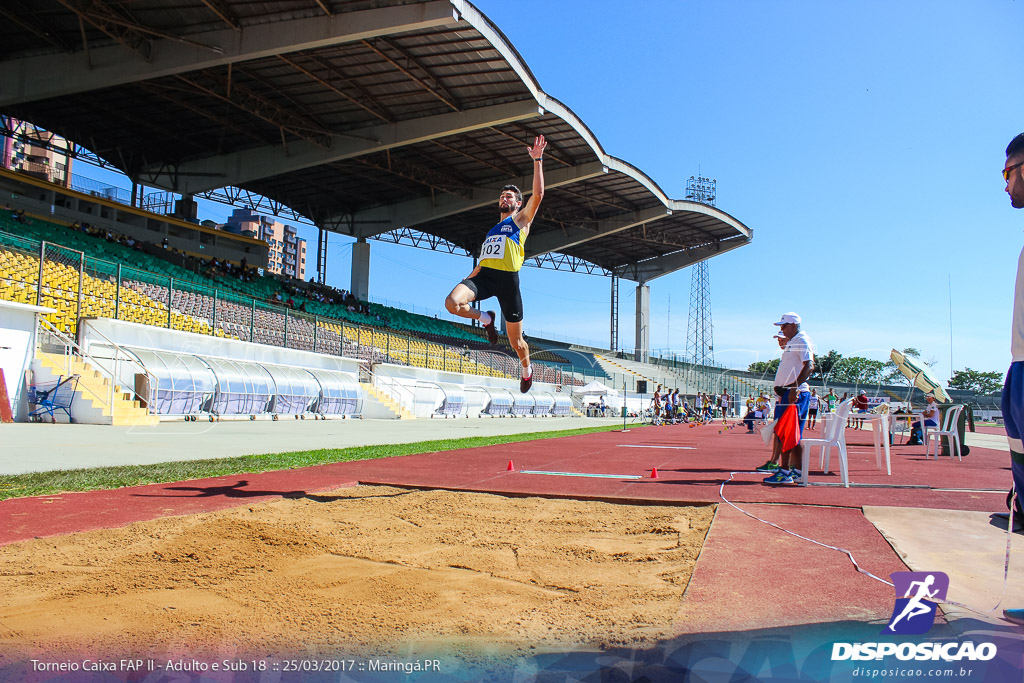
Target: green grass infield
point(91, 479)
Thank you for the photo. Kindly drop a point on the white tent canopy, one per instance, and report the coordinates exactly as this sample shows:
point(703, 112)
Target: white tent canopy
point(595, 388)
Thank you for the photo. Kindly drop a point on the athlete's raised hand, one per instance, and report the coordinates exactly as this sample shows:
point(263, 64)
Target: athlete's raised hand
point(537, 151)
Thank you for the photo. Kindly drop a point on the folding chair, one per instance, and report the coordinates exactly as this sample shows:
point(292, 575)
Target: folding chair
point(834, 437)
point(51, 397)
point(949, 430)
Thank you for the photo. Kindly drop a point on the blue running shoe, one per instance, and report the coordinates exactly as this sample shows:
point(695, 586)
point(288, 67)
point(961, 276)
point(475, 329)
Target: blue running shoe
point(796, 475)
point(779, 478)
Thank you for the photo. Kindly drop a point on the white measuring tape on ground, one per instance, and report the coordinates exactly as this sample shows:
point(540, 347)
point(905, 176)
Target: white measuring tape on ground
point(640, 445)
point(1006, 560)
point(583, 474)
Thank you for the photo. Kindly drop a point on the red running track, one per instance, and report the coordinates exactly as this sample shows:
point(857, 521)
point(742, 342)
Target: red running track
point(692, 463)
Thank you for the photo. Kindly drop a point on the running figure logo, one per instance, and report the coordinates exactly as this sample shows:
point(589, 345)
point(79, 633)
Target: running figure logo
point(914, 612)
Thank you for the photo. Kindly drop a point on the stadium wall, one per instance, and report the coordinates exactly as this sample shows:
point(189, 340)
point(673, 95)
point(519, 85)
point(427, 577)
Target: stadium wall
point(422, 390)
point(17, 350)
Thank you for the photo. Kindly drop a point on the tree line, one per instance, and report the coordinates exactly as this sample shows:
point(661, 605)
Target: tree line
point(834, 367)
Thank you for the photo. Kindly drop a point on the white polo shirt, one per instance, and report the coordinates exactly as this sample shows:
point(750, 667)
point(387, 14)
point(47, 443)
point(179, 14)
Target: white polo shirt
point(1017, 332)
point(798, 350)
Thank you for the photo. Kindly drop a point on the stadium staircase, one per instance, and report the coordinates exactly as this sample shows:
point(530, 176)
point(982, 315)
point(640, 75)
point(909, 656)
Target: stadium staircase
point(639, 371)
point(92, 403)
point(750, 388)
point(385, 400)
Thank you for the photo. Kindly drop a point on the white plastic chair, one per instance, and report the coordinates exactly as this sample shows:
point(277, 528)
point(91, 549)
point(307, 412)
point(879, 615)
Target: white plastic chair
point(949, 430)
point(834, 437)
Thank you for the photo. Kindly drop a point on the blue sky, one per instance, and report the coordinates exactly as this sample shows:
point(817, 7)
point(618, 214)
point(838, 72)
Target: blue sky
point(862, 142)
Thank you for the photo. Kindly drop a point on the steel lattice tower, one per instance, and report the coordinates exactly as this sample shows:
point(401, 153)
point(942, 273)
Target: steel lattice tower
point(699, 330)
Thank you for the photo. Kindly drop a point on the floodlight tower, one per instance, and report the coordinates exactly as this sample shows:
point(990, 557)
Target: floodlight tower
point(699, 330)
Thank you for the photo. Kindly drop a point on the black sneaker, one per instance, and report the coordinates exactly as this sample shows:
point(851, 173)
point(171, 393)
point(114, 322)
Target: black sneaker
point(525, 383)
point(492, 332)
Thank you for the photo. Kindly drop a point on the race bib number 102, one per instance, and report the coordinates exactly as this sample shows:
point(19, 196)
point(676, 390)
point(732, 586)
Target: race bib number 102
point(494, 248)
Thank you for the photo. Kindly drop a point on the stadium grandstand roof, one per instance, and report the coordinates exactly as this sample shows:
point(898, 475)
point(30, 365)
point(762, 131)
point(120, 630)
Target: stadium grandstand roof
point(365, 116)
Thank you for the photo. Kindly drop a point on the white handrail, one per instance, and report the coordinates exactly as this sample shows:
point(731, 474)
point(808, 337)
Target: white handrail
point(70, 346)
point(393, 387)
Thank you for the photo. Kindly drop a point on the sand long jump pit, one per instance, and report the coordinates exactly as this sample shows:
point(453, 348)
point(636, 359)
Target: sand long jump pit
point(367, 570)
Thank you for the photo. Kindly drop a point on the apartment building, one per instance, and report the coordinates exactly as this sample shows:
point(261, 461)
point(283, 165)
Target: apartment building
point(286, 253)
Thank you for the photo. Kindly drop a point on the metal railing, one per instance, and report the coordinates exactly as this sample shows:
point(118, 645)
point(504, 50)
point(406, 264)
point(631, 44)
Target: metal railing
point(51, 340)
point(91, 287)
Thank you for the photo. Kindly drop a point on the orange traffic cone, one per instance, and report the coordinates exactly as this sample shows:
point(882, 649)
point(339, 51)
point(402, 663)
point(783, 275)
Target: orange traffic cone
point(654, 473)
point(510, 468)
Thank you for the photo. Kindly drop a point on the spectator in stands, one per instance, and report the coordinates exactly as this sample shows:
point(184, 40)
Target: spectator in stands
point(1013, 389)
point(277, 298)
point(164, 243)
point(290, 303)
point(930, 415)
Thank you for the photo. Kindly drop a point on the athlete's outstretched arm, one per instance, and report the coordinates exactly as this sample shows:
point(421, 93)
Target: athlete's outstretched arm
point(526, 215)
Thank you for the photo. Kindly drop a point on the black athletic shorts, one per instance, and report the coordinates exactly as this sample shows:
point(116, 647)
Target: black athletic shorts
point(503, 284)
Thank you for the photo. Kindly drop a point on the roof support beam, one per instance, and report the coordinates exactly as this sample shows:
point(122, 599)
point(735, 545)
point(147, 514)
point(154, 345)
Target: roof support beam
point(416, 211)
point(219, 8)
point(46, 76)
point(17, 18)
point(557, 240)
point(647, 270)
point(434, 87)
point(249, 165)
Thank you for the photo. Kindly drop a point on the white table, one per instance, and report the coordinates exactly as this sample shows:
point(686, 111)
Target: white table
point(879, 432)
point(896, 418)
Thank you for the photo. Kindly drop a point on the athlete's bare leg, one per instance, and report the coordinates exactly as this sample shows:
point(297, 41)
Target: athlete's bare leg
point(515, 337)
point(459, 302)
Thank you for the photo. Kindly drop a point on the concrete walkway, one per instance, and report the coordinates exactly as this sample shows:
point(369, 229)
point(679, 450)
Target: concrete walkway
point(996, 442)
point(48, 447)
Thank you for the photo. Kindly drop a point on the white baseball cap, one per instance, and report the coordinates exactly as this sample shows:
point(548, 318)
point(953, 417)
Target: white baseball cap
point(789, 318)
